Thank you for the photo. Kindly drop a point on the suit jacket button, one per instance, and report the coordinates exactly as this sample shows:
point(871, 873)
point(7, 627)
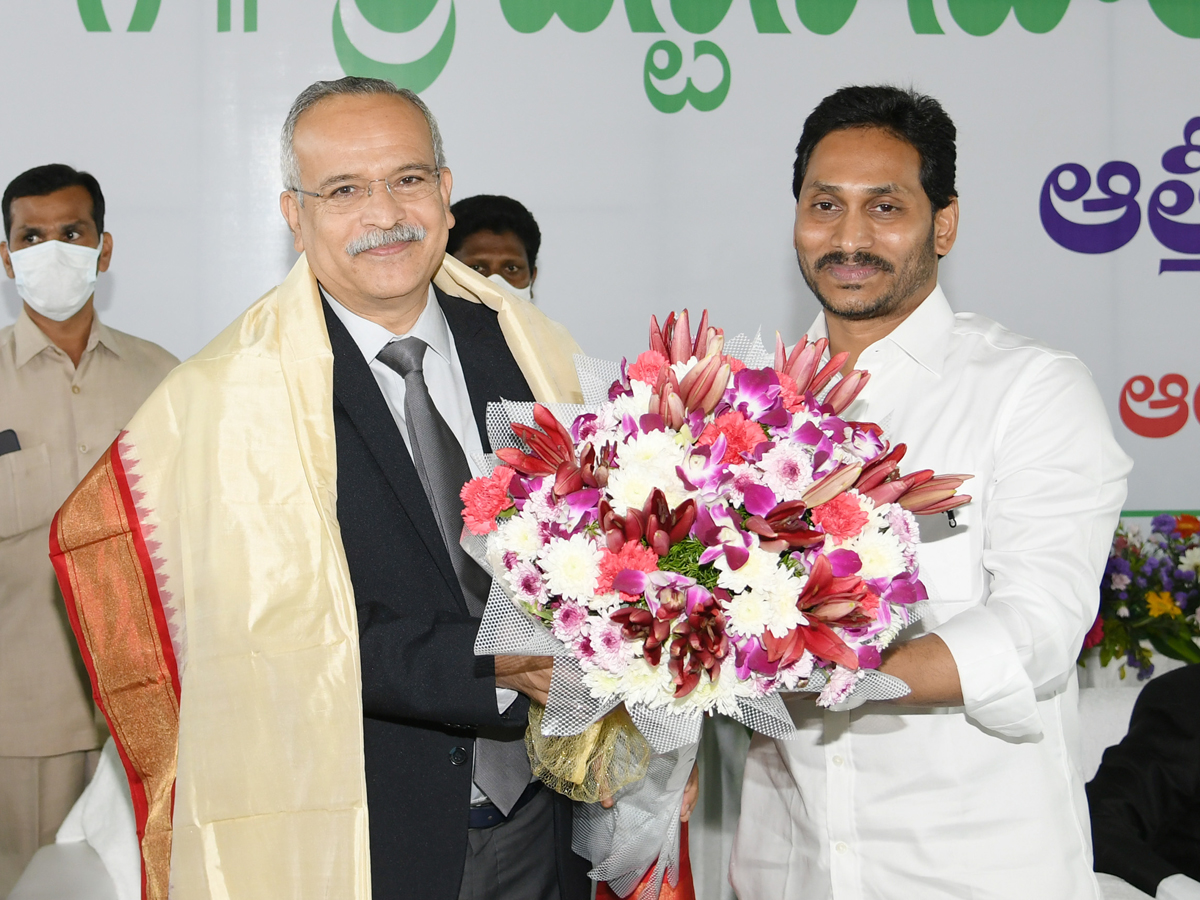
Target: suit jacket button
point(458, 756)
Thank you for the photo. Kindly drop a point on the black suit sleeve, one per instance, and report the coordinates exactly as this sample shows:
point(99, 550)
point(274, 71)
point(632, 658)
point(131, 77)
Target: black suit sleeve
point(424, 667)
point(1147, 784)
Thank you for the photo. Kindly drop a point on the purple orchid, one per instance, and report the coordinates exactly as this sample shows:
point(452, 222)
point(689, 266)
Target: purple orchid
point(756, 393)
point(721, 534)
point(702, 469)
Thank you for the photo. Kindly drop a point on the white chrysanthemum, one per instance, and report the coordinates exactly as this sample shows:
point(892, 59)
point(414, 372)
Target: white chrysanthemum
point(646, 462)
point(1191, 560)
point(782, 613)
point(571, 566)
point(747, 614)
point(758, 572)
point(604, 604)
point(880, 554)
point(720, 695)
point(637, 405)
point(787, 470)
point(520, 535)
point(638, 683)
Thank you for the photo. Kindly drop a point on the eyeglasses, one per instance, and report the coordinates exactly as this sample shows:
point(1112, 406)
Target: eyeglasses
point(410, 184)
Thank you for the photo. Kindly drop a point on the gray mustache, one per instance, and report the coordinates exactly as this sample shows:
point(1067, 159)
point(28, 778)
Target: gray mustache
point(402, 234)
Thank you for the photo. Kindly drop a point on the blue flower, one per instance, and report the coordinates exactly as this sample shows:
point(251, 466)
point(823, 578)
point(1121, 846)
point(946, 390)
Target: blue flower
point(1163, 524)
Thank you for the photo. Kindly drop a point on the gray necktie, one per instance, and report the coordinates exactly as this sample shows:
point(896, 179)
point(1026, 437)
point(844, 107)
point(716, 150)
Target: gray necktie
point(501, 767)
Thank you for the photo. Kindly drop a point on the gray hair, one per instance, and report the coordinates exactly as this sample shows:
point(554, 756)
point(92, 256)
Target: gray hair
point(350, 85)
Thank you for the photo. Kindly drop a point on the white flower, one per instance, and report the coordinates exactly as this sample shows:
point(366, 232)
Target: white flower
point(784, 614)
point(1191, 560)
point(787, 470)
point(637, 405)
point(571, 566)
point(646, 462)
point(720, 695)
point(639, 682)
point(758, 572)
point(1123, 612)
point(880, 554)
point(520, 535)
point(748, 613)
point(682, 368)
point(1120, 581)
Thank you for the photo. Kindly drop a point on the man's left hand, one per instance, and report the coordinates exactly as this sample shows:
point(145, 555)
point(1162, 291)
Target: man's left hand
point(528, 674)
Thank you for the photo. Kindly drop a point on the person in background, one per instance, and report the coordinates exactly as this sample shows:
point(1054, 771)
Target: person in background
point(1145, 798)
point(68, 384)
point(498, 238)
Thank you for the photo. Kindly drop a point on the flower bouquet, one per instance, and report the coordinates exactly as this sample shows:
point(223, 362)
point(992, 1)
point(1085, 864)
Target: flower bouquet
point(704, 532)
point(1149, 595)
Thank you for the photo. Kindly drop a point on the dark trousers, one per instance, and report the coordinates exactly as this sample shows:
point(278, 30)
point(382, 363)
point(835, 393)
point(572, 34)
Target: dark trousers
point(514, 860)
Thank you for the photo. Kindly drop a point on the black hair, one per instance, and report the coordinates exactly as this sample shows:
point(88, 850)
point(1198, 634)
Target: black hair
point(43, 180)
point(914, 118)
point(494, 212)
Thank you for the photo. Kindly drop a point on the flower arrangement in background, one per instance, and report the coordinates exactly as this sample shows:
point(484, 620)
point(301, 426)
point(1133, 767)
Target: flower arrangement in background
point(1149, 595)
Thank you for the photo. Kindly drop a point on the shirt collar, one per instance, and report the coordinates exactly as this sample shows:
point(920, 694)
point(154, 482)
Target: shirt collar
point(29, 340)
point(371, 337)
point(923, 335)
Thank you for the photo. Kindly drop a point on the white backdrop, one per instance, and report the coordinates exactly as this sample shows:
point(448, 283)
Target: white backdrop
point(644, 210)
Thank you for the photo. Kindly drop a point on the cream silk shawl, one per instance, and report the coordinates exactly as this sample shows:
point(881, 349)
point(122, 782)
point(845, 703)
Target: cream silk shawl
point(204, 575)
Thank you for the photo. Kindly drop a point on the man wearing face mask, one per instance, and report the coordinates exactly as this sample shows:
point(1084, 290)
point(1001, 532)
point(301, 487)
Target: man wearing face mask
point(498, 238)
point(68, 384)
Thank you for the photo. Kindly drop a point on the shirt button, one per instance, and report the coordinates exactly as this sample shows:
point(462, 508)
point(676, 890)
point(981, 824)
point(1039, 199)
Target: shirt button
point(841, 847)
point(838, 761)
point(458, 756)
point(74, 389)
point(83, 448)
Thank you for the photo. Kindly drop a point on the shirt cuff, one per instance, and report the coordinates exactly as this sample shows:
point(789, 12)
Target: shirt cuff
point(1178, 887)
point(996, 689)
point(505, 697)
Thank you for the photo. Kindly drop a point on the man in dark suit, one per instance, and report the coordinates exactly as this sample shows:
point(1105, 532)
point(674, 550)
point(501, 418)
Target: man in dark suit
point(1145, 798)
point(453, 809)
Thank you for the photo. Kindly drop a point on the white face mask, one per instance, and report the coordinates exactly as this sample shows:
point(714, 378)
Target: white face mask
point(55, 278)
point(525, 293)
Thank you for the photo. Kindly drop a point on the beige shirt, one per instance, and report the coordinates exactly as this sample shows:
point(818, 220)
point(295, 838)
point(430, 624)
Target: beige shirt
point(64, 419)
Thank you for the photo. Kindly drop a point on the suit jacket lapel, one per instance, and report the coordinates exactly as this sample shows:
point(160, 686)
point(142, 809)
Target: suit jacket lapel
point(358, 392)
point(488, 366)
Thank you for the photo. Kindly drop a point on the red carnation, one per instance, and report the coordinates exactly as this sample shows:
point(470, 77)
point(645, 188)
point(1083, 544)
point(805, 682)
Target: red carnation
point(1096, 635)
point(486, 498)
point(632, 555)
point(791, 398)
point(841, 518)
point(741, 435)
point(647, 367)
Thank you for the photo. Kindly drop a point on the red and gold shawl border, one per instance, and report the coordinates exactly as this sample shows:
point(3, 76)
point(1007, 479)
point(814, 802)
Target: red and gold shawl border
point(105, 570)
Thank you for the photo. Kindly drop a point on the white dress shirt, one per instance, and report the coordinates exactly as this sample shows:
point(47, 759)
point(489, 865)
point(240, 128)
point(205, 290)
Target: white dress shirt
point(984, 800)
point(443, 371)
point(447, 388)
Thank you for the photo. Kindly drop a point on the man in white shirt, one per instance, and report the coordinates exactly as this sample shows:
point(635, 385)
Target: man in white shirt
point(968, 787)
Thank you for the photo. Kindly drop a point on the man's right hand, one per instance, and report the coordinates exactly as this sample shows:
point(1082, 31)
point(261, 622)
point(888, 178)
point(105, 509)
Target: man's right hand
point(528, 674)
